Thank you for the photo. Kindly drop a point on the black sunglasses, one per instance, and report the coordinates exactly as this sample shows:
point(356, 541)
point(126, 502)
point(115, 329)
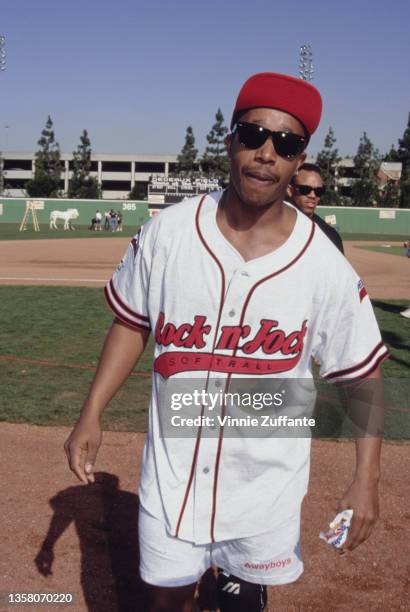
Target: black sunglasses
point(306, 189)
point(287, 144)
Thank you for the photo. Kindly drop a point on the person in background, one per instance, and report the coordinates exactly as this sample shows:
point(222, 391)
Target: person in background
point(107, 221)
point(305, 190)
point(98, 218)
point(119, 221)
point(113, 220)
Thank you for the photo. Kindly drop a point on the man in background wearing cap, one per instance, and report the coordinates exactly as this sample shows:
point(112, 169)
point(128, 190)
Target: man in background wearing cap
point(305, 190)
point(235, 286)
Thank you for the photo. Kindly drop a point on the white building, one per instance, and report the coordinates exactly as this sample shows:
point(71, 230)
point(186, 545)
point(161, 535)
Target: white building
point(117, 174)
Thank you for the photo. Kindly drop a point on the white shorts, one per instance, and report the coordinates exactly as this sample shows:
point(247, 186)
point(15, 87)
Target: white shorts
point(268, 558)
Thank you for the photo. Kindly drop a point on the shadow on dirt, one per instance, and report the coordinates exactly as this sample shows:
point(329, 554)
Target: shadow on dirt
point(106, 521)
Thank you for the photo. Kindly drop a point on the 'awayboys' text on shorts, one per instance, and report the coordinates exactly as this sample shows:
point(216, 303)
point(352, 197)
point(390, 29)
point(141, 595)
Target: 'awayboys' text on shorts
point(268, 558)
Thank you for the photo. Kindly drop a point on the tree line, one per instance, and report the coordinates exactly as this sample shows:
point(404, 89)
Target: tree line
point(48, 167)
point(365, 189)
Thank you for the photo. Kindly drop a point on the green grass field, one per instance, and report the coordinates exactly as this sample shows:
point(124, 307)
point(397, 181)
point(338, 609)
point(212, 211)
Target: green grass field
point(391, 250)
point(10, 231)
point(50, 339)
point(375, 237)
point(66, 327)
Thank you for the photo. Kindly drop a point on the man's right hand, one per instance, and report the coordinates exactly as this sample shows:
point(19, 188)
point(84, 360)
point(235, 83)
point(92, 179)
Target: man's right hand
point(81, 448)
point(123, 347)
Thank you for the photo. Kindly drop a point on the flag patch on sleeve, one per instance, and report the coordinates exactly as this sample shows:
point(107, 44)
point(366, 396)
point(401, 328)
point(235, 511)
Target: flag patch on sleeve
point(135, 242)
point(362, 290)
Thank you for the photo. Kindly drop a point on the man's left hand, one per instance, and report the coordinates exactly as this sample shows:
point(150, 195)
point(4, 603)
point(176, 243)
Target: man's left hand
point(362, 498)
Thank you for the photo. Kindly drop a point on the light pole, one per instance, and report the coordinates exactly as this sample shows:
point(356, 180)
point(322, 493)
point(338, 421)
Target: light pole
point(306, 63)
point(2, 69)
point(2, 52)
point(1, 175)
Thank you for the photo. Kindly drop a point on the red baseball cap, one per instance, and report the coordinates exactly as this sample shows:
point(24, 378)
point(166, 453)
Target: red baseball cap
point(283, 92)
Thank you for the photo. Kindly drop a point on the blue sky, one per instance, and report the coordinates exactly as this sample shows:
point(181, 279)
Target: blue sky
point(136, 74)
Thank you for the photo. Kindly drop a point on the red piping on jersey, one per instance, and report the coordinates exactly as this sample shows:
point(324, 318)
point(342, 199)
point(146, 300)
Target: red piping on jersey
point(217, 461)
point(266, 278)
point(263, 280)
point(121, 317)
point(124, 305)
point(128, 325)
point(365, 361)
point(221, 301)
point(366, 374)
point(376, 364)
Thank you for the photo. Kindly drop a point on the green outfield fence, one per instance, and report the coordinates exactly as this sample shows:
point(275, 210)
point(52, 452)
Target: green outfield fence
point(377, 221)
point(347, 220)
point(12, 210)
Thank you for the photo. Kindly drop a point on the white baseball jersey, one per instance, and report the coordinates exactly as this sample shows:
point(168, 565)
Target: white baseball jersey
point(217, 317)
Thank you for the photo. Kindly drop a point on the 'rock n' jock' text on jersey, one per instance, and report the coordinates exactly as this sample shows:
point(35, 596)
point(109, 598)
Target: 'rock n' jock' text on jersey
point(217, 317)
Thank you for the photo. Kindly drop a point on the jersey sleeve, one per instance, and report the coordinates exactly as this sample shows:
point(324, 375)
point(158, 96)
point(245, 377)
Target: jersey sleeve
point(127, 291)
point(348, 344)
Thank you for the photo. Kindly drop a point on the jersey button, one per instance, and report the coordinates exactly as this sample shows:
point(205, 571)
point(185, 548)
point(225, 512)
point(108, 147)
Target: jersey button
point(217, 384)
point(205, 470)
point(231, 313)
point(244, 273)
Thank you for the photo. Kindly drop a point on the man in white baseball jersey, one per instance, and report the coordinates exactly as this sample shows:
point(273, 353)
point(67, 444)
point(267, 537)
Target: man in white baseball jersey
point(236, 285)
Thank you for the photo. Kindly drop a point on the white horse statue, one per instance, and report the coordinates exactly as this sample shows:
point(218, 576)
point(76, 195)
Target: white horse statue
point(66, 215)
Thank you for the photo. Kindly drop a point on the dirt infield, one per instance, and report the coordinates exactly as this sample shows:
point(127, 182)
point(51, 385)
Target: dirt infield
point(88, 262)
point(76, 262)
point(59, 536)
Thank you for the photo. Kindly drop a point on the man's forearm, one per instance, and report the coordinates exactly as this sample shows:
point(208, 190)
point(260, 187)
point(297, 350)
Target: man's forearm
point(367, 414)
point(368, 452)
point(121, 351)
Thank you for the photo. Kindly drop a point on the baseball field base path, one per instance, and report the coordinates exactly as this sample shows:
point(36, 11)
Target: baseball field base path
point(90, 263)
